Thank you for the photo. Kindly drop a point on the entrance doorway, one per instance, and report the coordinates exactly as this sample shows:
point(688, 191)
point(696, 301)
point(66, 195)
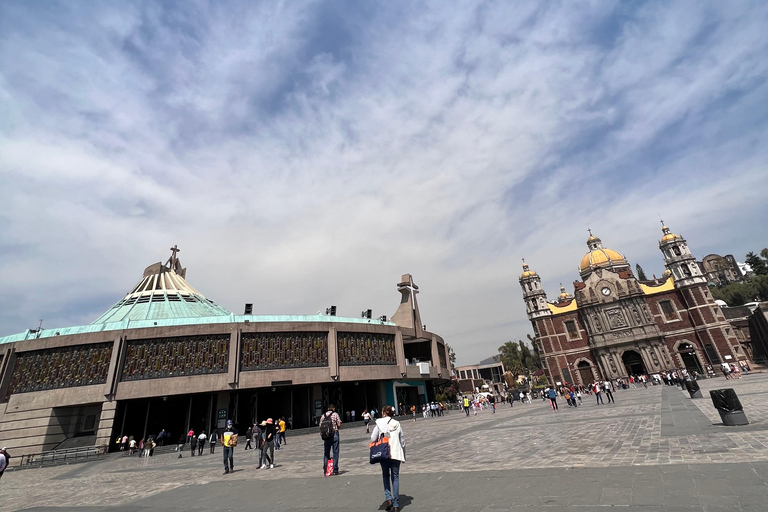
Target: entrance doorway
point(585, 372)
point(690, 359)
point(633, 362)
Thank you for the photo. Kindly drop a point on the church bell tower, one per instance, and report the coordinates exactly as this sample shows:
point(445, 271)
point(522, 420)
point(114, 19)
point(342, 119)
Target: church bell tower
point(534, 296)
point(679, 260)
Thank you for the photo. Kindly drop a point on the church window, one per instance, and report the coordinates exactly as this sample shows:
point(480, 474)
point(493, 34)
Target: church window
point(530, 287)
point(668, 309)
point(573, 332)
point(676, 250)
point(711, 353)
point(686, 271)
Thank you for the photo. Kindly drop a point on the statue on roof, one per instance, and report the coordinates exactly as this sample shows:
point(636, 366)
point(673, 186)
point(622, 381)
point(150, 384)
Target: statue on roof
point(173, 262)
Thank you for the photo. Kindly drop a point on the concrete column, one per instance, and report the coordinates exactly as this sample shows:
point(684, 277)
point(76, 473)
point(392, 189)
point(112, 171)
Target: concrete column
point(333, 353)
point(435, 355)
point(106, 422)
point(6, 372)
point(233, 368)
point(110, 387)
point(400, 352)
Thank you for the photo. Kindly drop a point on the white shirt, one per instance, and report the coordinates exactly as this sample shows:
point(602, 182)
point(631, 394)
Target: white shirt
point(3, 462)
point(202, 437)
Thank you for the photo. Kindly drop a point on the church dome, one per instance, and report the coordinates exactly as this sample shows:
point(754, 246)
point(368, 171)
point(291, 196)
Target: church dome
point(527, 272)
point(668, 236)
point(564, 295)
point(598, 256)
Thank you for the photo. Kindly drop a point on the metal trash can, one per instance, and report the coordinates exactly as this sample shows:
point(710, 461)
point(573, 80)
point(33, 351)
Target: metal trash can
point(693, 389)
point(728, 405)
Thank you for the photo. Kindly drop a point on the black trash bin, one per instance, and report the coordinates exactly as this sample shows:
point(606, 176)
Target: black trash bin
point(728, 405)
point(693, 389)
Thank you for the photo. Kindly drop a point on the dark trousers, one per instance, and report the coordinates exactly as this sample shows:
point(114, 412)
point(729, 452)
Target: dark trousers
point(228, 462)
point(609, 395)
point(213, 447)
point(553, 401)
point(331, 444)
point(200, 447)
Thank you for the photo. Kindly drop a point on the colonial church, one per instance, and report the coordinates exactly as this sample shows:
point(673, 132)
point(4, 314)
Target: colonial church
point(615, 325)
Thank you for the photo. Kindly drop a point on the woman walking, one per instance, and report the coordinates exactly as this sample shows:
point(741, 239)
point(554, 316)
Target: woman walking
point(388, 426)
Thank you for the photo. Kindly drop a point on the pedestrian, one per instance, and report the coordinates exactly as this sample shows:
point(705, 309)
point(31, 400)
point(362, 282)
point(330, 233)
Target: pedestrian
point(261, 430)
point(149, 447)
point(465, 403)
point(124, 443)
point(578, 395)
point(492, 400)
point(390, 428)
point(269, 445)
point(281, 429)
point(161, 437)
point(330, 423)
point(553, 398)
point(201, 439)
point(248, 435)
point(141, 448)
point(353, 415)
point(214, 439)
point(608, 392)
point(132, 445)
point(179, 445)
point(4, 460)
point(367, 418)
point(413, 412)
point(193, 444)
point(228, 442)
point(598, 394)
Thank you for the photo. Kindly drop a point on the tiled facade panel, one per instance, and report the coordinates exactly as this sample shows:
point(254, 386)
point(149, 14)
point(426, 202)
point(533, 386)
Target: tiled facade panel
point(356, 348)
point(157, 358)
point(277, 350)
point(80, 365)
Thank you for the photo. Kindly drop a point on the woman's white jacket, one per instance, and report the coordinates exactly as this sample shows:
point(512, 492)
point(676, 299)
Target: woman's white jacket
point(390, 427)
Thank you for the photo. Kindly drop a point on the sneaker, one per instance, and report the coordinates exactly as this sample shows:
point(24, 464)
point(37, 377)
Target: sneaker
point(271, 466)
point(263, 466)
point(226, 471)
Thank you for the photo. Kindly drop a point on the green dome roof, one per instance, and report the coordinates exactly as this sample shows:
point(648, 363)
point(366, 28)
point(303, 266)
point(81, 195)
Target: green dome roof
point(162, 293)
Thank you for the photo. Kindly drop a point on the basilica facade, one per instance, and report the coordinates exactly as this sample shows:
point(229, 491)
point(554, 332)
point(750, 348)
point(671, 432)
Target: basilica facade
point(614, 325)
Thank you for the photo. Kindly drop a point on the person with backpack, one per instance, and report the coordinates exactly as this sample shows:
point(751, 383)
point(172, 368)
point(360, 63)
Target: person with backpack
point(329, 432)
point(229, 441)
point(213, 440)
point(388, 427)
point(193, 444)
point(552, 394)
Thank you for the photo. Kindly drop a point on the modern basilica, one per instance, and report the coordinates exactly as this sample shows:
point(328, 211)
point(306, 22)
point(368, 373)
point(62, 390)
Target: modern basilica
point(614, 325)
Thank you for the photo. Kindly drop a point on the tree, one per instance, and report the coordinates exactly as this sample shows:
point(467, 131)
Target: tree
point(737, 294)
point(640, 273)
point(510, 357)
point(759, 265)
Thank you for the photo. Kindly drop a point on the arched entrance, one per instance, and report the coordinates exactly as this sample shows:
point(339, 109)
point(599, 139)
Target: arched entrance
point(633, 362)
point(690, 359)
point(585, 372)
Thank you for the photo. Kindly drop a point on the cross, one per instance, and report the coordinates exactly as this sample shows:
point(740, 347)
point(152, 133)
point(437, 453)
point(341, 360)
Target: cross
point(590, 231)
point(174, 250)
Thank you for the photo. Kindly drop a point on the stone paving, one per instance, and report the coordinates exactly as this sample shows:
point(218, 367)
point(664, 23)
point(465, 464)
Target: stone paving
point(655, 449)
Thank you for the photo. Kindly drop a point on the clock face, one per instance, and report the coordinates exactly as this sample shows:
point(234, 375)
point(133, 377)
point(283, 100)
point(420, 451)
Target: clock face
point(606, 291)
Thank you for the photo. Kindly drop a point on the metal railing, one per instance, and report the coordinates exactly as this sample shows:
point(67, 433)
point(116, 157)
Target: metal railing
point(65, 456)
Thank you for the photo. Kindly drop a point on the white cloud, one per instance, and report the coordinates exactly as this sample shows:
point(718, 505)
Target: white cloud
point(301, 162)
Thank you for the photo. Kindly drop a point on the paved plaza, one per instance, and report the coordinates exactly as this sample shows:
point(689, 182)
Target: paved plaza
point(654, 450)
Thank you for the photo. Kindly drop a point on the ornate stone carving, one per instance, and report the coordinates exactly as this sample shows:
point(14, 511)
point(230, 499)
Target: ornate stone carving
point(616, 318)
point(65, 367)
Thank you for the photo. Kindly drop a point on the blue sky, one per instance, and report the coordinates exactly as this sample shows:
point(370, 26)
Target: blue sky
point(304, 154)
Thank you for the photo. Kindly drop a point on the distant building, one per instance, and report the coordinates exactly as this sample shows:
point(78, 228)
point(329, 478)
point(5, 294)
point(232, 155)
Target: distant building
point(487, 372)
point(720, 270)
point(614, 325)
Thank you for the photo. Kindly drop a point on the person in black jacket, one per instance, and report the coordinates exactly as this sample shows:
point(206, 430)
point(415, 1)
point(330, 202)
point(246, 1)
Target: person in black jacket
point(248, 435)
point(193, 444)
point(269, 445)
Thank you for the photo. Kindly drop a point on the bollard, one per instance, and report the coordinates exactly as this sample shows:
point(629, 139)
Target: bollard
point(728, 405)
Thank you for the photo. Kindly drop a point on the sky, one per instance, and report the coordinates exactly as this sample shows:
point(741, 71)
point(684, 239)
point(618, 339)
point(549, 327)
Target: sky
point(307, 154)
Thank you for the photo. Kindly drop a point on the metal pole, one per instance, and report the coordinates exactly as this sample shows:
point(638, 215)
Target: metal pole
point(146, 420)
point(189, 415)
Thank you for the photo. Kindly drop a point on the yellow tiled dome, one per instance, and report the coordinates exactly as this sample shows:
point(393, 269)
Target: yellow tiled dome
point(527, 272)
point(667, 235)
point(601, 258)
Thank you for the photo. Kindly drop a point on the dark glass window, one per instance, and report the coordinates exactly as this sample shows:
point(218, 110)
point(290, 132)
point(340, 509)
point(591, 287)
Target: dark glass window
point(570, 326)
point(668, 309)
point(712, 353)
